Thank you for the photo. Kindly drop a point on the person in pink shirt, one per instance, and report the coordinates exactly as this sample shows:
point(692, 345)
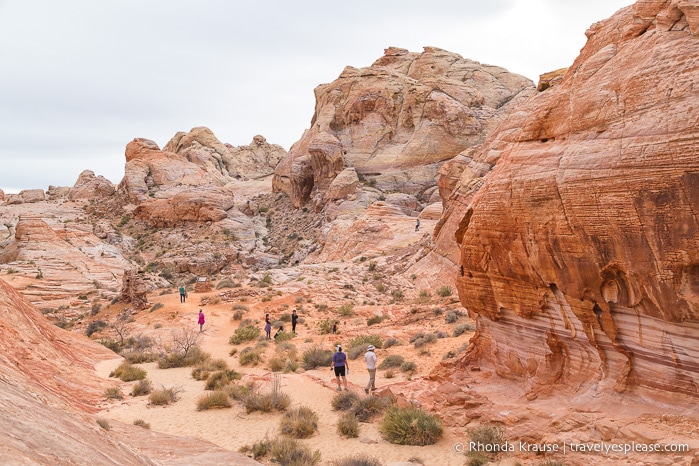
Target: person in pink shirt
point(201, 320)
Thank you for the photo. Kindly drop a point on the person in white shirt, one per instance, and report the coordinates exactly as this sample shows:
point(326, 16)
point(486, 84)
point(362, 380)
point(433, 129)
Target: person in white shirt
point(370, 360)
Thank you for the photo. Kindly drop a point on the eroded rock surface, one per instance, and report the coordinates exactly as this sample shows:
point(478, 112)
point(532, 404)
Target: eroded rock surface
point(583, 240)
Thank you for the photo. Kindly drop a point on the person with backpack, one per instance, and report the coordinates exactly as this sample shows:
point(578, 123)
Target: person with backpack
point(340, 366)
point(183, 294)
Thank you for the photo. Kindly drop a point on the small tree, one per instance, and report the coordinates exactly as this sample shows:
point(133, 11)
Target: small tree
point(184, 339)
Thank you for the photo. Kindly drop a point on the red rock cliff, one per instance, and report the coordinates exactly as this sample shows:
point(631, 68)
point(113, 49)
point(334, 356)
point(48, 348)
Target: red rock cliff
point(580, 252)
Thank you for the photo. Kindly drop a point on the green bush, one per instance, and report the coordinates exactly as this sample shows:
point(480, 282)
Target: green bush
point(316, 356)
point(246, 333)
point(326, 326)
point(392, 360)
point(128, 373)
point(346, 309)
point(301, 422)
point(374, 320)
point(391, 342)
point(343, 401)
point(451, 317)
point(266, 402)
point(359, 460)
point(444, 291)
point(410, 426)
point(365, 340)
point(249, 357)
point(463, 328)
point(226, 283)
point(408, 366)
point(348, 425)
point(113, 393)
point(192, 357)
point(368, 407)
point(95, 326)
point(215, 399)
point(285, 451)
point(164, 396)
point(143, 387)
point(237, 392)
point(218, 380)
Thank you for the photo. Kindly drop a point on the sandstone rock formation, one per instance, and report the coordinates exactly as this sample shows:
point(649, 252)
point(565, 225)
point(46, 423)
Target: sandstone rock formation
point(89, 186)
point(201, 146)
point(395, 121)
point(26, 195)
point(134, 289)
point(66, 262)
point(583, 240)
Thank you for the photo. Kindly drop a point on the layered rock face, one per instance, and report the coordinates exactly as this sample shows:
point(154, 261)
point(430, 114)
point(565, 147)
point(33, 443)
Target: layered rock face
point(66, 262)
point(580, 252)
point(395, 121)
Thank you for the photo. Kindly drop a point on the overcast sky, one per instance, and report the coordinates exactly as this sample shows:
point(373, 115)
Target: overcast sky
point(79, 79)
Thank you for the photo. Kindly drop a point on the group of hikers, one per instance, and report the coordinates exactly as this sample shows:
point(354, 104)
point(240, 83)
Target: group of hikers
point(339, 360)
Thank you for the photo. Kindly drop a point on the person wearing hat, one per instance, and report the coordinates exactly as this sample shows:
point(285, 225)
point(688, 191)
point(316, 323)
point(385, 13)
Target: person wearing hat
point(370, 360)
point(340, 366)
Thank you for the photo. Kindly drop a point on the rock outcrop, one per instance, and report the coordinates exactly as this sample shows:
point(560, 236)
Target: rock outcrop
point(66, 262)
point(201, 146)
point(583, 241)
point(395, 121)
point(25, 196)
point(89, 186)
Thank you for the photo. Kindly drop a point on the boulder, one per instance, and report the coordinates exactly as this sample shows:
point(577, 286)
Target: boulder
point(89, 186)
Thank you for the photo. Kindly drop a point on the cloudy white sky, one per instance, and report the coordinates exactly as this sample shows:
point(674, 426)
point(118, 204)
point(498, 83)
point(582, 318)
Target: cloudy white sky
point(79, 79)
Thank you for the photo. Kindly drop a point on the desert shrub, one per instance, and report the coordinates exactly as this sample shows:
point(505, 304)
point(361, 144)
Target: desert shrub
point(397, 294)
point(490, 436)
point(389, 374)
point(286, 451)
point(421, 339)
point(408, 366)
point(316, 356)
point(237, 392)
point(444, 291)
point(128, 373)
point(299, 422)
point(410, 426)
point(238, 315)
point(326, 326)
point(240, 307)
point(343, 401)
point(551, 463)
point(358, 460)
point(369, 406)
point(249, 357)
point(462, 328)
point(477, 458)
point(441, 334)
point(225, 283)
point(365, 340)
point(392, 360)
point(374, 320)
point(215, 399)
point(178, 359)
point(156, 306)
point(266, 402)
point(391, 342)
point(357, 351)
point(96, 307)
point(348, 425)
point(247, 333)
point(139, 357)
point(164, 396)
point(141, 423)
point(113, 393)
point(451, 317)
point(346, 309)
point(218, 380)
point(110, 344)
point(103, 423)
point(380, 287)
point(143, 387)
point(284, 336)
point(95, 326)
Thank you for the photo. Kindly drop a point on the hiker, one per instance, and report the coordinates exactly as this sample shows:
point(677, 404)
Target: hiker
point(183, 294)
point(334, 327)
point(370, 360)
point(417, 224)
point(294, 319)
point(201, 320)
point(341, 367)
point(268, 327)
point(281, 330)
